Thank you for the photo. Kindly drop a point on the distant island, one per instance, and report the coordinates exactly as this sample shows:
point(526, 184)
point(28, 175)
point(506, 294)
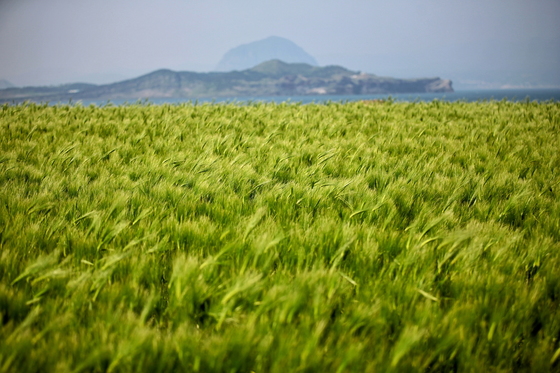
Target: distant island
point(271, 78)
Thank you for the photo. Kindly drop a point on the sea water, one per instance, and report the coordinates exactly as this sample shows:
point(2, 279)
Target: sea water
point(540, 95)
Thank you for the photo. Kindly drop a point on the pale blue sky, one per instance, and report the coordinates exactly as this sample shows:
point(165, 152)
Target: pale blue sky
point(476, 43)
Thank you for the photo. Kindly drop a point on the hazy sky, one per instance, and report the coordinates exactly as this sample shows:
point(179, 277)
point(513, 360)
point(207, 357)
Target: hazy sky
point(473, 42)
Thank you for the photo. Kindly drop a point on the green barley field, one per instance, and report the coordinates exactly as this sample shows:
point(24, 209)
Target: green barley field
point(339, 237)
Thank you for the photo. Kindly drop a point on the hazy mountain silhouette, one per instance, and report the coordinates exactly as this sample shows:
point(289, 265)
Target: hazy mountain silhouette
point(249, 55)
point(5, 84)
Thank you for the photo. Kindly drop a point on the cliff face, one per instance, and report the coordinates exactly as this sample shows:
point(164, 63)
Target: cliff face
point(440, 85)
point(271, 78)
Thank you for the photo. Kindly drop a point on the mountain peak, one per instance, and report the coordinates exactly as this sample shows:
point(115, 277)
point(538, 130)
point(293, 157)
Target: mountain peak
point(249, 55)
